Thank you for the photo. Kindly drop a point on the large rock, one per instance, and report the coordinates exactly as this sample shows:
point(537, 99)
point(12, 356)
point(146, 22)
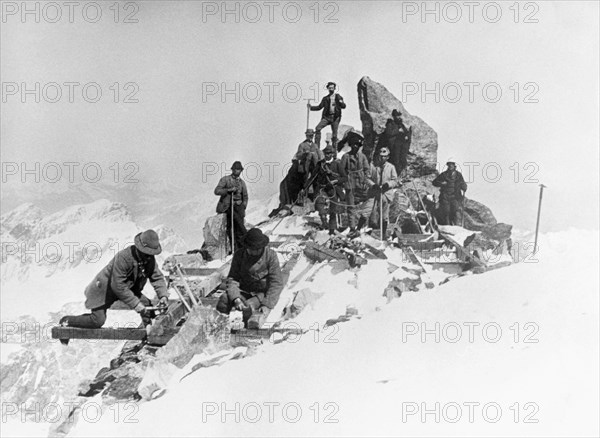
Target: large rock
point(215, 237)
point(376, 105)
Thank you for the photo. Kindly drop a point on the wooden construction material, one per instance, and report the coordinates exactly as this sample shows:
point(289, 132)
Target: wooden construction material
point(114, 334)
point(462, 252)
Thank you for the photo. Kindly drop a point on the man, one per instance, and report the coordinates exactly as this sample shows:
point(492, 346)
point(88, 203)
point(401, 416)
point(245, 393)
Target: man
point(254, 283)
point(358, 171)
point(308, 155)
point(330, 178)
point(232, 186)
point(452, 187)
point(385, 178)
point(332, 106)
point(397, 138)
point(400, 140)
point(123, 279)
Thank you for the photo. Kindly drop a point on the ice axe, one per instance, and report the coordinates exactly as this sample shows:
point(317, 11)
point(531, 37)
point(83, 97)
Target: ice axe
point(537, 224)
point(307, 113)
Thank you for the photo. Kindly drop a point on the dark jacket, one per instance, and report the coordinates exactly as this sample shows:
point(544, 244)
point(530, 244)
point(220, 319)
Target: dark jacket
point(358, 170)
point(331, 171)
point(124, 279)
point(259, 277)
point(240, 196)
point(325, 106)
point(454, 185)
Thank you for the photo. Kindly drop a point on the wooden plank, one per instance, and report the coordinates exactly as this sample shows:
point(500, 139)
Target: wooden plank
point(413, 237)
point(201, 272)
point(133, 334)
point(266, 332)
point(462, 252)
point(163, 338)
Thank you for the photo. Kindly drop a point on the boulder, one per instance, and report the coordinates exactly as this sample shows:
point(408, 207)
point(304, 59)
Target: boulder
point(376, 104)
point(215, 237)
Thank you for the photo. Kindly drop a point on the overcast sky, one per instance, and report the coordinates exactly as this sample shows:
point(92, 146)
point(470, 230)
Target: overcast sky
point(180, 52)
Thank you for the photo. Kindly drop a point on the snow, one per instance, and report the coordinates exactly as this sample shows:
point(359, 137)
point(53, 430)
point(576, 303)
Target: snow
point(367, 375)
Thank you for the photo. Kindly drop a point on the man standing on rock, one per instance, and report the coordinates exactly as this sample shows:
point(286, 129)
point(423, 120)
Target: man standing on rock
point(358, 170)
point(123, 279)
point(234, 195)
point(452, 191)
point(385, 177)
point(330, 178)
point(255, 282)
point(332, 106)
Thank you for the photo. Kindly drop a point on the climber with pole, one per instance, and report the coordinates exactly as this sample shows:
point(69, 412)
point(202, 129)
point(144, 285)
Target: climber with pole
point(386, 178)
point(233, 201)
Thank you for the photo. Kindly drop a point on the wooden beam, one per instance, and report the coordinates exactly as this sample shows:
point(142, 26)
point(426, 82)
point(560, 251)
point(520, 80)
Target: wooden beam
point(117, 334)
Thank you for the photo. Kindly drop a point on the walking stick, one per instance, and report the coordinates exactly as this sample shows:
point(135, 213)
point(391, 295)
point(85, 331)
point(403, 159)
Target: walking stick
point(381, 236)
point(307, 113)
point(232, 226)
point(537, 224)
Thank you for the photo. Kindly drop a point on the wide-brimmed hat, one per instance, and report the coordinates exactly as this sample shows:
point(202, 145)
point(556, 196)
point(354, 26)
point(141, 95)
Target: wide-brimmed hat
point(237, 165)
point(309, 131)
point(328, 149)
point(384, 152)
point(451, 160)
point(147, 242)
point(255, 239)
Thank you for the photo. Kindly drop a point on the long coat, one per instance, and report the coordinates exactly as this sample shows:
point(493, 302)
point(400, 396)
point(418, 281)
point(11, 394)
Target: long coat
point(124, 279)
point(261, 278)
point(386, 174)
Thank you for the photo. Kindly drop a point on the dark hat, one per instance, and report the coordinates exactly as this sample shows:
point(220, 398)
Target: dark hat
point(309, 131)
point(237, 165)
point(327, 149)
point(255, 239)
point(147, 242)
point(331, 83)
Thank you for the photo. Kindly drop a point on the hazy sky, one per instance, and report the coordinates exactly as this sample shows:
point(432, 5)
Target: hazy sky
point(177, 52)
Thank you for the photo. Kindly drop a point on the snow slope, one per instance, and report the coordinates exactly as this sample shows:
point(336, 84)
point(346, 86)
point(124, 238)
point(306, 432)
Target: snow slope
point(537, 376)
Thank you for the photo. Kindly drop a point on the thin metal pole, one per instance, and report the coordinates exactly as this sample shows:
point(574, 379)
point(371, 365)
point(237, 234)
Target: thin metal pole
point(537, 224)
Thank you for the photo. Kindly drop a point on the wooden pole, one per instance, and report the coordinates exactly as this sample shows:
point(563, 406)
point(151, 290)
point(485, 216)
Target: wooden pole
point(307, 113)
point(537, 224)
point(232, 227)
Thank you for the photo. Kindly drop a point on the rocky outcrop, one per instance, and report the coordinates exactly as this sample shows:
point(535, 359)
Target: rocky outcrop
point(376, 104)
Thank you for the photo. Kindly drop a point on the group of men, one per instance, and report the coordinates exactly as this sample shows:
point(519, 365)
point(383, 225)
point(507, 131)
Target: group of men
point(353, 184)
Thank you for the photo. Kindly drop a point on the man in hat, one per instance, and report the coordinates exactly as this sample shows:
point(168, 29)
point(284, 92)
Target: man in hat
point(233, 195)
point(385, 178)
point(254, 282)
point(330, 178)
point(332, 106)
point(358, 171)
point(123, 279)
point(308, 155)
point(452, 190)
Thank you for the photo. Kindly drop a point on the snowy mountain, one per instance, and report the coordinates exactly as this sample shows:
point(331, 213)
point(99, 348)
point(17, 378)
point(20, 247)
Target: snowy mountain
point(68, 247)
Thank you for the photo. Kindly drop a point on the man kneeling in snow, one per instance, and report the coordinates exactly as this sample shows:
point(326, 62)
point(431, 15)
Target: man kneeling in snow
point(254, 283)
point(124, 279)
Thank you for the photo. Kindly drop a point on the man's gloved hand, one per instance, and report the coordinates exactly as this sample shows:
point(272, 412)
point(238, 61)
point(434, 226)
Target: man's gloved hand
point(385, 187)
point(163, 302)
point(376, 189)
point(238, 304)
